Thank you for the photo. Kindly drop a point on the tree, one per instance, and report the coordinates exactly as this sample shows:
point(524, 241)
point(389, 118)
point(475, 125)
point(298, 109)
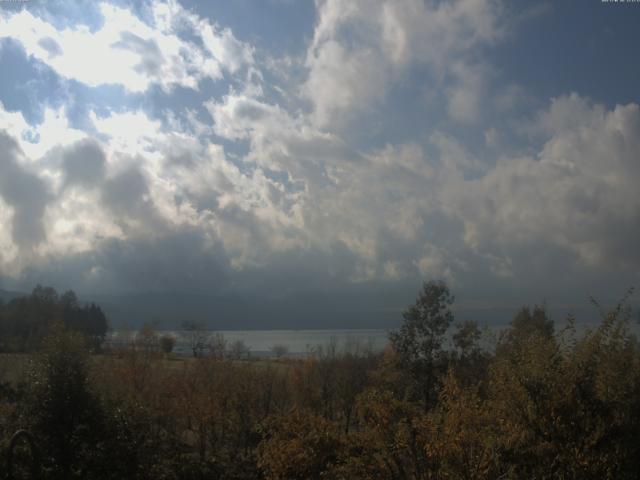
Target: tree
point(526, 326)
point(69, 300)
point(239, 350)
point(390, 441)
point(167, 342)
point(45, 294)
point(568, 407)
point(96, 327)
point(352, 374)
point(418, 342)
point(147, 338)
point(466, 337)
point(529, 322)
point(299, 445)
point(62, 409)
point(217, 345)
point(279, 350)
point(196, 336)
point(25, 321)
point(31, 318)
point(469, 360)
point(461, 431)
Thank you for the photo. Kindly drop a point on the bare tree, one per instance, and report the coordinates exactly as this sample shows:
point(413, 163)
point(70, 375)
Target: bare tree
point(239, 350)
point(217, 345)
point(197, 337)
point(147, 339)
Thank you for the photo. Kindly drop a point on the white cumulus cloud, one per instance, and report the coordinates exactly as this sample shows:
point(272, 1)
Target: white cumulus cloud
point(126, 51)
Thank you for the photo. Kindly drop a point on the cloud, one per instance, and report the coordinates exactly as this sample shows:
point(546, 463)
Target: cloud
point(84, 163)
point(50, 46)
point(278, 140)
point(151, 58)
point(35, 141)
point(537, 213)
point(180, 261)
point(434, 264)
point(269, 182)
point(126, 194)
point(25, 193)
point(341, 82)
point(466, 93)
point(361, 48)
point(124, 50)
point(575, 197)
point(130, 132)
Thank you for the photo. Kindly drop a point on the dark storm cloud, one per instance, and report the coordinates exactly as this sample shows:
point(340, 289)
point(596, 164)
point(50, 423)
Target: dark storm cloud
point(84, 163)
point(187, 275)
point(25, 192)
point(176, 261)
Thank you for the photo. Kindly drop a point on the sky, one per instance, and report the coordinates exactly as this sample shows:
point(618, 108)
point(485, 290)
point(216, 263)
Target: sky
point(310, 164)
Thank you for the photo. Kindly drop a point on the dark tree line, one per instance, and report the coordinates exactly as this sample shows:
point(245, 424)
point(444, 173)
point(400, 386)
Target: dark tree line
point(25, 321)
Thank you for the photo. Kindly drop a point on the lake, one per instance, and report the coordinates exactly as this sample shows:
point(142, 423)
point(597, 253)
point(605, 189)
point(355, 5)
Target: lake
point(297, 342)
point(301, 342)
